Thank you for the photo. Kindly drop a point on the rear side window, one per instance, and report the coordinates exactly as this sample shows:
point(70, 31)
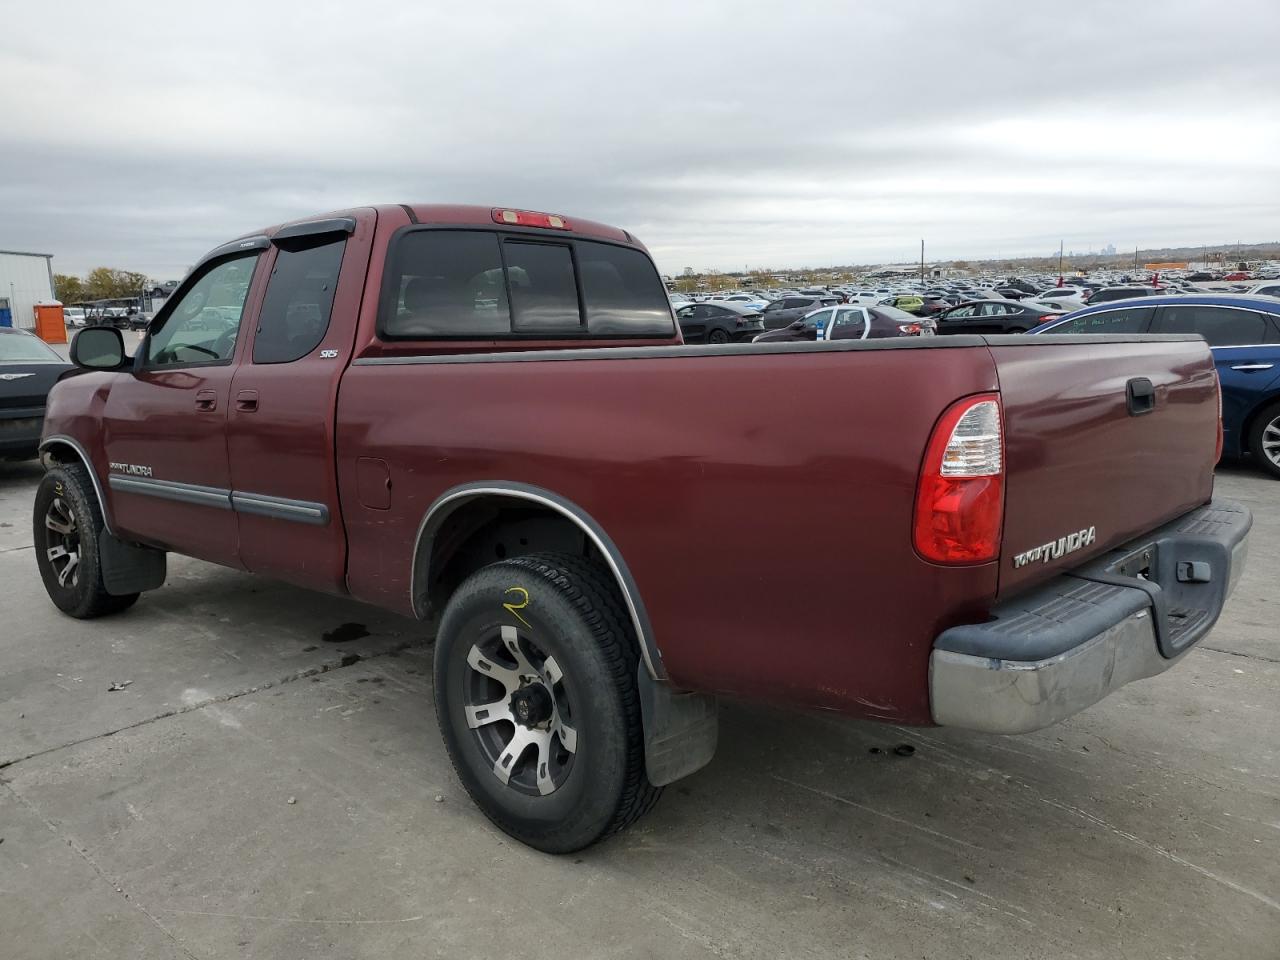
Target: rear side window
point(299, 299)
point(1131, 320)
point(1218, 325)
point(445, 283)
point(622, 292)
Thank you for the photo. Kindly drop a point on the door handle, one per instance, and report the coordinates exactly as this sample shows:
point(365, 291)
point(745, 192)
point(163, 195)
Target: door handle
point(247, 400)
point(206, 400)
point(1253, 366)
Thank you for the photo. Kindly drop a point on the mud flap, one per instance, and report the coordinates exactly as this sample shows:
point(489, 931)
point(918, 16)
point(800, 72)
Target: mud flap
point(128, 568)
point(680, 729)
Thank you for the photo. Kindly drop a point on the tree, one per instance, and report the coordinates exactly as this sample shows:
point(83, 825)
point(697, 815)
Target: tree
point(68, 289)
point(104, 283)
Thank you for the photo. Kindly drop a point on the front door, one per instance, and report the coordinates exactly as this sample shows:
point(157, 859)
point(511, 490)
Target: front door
point(164, 423)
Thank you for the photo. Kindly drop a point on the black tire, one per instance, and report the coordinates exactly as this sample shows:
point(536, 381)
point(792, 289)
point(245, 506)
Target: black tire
point(67, 491)
point(1266, 419)
point(574, 614)
point(717, 336)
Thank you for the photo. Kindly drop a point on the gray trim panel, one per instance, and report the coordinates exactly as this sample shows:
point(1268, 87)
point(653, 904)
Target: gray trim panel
point(169, 490)
point(256, 504)
point(280, 508)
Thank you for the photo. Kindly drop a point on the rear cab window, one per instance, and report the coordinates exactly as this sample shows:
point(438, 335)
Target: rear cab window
point(482, 284)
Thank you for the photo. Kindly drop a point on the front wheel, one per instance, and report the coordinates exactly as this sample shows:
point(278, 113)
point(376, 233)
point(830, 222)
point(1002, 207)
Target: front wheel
point(1264, 440)
point(535, 686)
point(66, 524)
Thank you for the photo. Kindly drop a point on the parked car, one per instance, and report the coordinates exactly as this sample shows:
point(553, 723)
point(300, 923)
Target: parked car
point(1109, 294)
point(849, 323)
point(992, 316)
point(787, 310)
point(73, 316)
point(725, 321)
point(484, 419)
point(907, 303)
point(29, 368)
point(1238, 275)
point(1244, 335)
point(1271, 289)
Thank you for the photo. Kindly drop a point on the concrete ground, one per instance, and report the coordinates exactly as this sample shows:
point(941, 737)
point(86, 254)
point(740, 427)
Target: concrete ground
point(259, 790)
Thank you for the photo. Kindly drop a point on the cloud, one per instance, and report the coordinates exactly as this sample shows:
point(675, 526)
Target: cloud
point(721, 133)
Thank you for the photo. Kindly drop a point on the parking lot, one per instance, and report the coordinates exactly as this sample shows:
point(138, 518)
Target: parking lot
point(263, 787)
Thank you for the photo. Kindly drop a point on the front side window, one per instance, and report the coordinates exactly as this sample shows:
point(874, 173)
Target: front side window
point(205, 320)
point(299, 298)
point(1131, 320)
point(1218, 325)
point(814, 320)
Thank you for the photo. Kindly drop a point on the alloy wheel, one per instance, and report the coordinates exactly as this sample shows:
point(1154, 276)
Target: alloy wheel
point(63, 542)
point(518, 709)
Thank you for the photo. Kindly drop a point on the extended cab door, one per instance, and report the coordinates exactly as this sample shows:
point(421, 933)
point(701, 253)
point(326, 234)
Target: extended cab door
point(164, 422)
point(280, 435)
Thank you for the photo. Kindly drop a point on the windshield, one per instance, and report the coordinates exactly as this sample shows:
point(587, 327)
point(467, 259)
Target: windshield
point(24, 348)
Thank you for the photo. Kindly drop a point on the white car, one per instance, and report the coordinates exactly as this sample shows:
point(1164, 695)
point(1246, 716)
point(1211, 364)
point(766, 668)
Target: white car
point(73, 316)
point(1268, 288)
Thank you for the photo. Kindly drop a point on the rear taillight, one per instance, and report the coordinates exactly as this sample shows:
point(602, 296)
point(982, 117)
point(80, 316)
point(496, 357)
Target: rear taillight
point(1217, 452)
point(911, 329)
point(1048, 316)
point(960, 497)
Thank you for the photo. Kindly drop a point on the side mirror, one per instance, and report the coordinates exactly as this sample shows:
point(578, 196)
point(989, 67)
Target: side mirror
point(797, 325)
point(98, 348)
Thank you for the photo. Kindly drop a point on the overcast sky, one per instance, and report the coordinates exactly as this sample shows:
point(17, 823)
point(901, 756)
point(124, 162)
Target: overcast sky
point(790, 134)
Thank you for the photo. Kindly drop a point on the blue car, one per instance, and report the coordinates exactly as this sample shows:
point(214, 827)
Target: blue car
point(1244, 334)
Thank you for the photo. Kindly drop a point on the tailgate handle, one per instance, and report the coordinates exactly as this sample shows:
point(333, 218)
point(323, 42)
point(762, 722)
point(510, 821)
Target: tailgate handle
point(1142, 396)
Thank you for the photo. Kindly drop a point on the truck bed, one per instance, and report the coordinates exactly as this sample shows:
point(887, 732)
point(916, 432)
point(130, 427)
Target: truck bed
point(763, 497)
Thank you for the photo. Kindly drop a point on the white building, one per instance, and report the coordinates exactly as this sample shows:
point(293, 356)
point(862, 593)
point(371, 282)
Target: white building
point(25, 280)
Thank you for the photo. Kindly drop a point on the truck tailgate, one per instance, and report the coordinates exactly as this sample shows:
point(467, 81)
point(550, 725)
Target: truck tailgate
point(1084, 472)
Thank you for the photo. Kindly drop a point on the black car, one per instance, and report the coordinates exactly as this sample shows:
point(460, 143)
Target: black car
point(28, 370)
point(788, 310)
point(721, 321)
point(992, 316)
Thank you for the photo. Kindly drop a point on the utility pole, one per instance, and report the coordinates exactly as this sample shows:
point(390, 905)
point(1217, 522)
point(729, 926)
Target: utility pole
point(922, 259)
point(1135, 259)
point(1059, 263)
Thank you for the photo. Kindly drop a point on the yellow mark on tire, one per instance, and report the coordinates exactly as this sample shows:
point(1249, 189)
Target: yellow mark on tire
point(57, 488)
point(515, 608)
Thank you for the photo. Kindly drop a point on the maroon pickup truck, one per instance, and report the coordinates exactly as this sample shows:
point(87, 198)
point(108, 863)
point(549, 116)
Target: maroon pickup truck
point(485, 419)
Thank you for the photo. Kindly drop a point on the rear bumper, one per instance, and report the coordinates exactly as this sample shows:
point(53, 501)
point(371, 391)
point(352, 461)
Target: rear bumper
point(1060, 648)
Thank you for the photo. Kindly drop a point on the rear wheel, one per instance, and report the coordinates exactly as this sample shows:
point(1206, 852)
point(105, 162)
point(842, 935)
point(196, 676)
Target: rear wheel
point(535, 684)
point(717, 336)
point(66, 523)
point(1264, 440)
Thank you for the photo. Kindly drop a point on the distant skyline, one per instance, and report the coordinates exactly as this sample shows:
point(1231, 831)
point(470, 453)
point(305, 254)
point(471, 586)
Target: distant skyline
point(142, 136)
